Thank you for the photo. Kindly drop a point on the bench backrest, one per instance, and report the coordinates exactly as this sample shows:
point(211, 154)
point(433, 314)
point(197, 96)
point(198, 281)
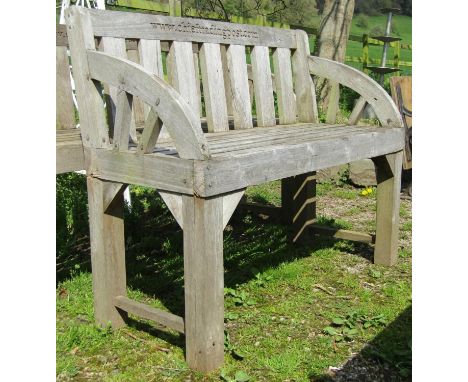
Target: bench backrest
point(207, 63)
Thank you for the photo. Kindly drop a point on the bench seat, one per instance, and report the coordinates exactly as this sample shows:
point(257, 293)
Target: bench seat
point(254, 156)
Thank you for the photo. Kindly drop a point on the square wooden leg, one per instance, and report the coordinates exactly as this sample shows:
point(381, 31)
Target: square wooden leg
point(388, 170)
point(106, 202)
point(203, 282)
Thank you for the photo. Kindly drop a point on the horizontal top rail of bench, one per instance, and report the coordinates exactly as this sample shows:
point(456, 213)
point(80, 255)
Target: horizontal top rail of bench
point(167, 28)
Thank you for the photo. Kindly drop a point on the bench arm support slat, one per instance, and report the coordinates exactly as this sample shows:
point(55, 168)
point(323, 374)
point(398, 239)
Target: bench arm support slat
point(383, 105)
point(172, 109)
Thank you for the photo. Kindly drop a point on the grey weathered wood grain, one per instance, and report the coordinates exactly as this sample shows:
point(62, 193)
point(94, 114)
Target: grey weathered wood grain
point(357, 111)
point(174, 203)
point(227, 82)
point(107, 252)
point(263, 86)
point(196, 66)
point(183, 74)
point(91, 107)
point(151, 59)
point(114, 47)
point(138, 106)
point(149, 313)
point(371, 91)
point(284, 86)
point(152, 131)
point(157, 170)
point(203, 282)
point(239, 84)
point(151, 56)
point(333, 103)
point(213, 87)
point(180, 119)
point(233, 148)
point(155, 27)
point(303, 84)
point(388, 172)
point(65, 111)
point(342, 234)
point(61, 38)
point(278, 162)
point(69, 155)
point(123, 119)
point(230, 202)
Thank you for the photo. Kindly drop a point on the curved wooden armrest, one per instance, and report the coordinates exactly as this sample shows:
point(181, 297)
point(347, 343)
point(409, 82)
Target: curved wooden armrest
point(383, 105)
point(170, 106)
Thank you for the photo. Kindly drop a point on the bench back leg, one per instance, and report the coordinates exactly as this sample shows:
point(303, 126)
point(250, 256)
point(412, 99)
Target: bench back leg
point(388, 170)
point(106, 201)
point(203, 282)
point(298, 204)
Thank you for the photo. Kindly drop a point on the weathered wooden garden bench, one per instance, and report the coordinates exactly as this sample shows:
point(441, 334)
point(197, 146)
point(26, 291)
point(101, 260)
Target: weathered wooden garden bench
point(203, 175)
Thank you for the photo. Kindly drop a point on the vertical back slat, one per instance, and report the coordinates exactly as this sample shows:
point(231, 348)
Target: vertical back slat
point(151, 56)
point(92, 114)
point(263, 86)
point(284, 86)
point(182, 73)
point(239, 83)
point(123, 120)
point(196, 66)
point(227, 82)
point(138, 104)
point(115, 47)
point(213, 87)
point(303, 84)
point(65, 112)
point(151, 59)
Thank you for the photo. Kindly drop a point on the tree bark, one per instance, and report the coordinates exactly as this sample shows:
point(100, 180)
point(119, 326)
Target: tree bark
point(331, 43)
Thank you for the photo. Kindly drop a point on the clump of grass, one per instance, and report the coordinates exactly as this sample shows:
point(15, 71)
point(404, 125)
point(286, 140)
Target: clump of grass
point(275, 313)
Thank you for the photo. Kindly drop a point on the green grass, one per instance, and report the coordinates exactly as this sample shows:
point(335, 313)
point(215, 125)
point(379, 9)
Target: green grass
point(403, 25)
point(280, 299)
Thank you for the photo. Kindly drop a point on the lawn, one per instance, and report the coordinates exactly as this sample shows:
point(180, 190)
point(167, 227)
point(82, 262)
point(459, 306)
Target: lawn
point(293, 312)
point(402, 28)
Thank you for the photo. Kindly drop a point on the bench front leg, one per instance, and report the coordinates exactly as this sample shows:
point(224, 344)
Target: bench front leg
point(106, 225)
point(388, 171)
point(203, 282)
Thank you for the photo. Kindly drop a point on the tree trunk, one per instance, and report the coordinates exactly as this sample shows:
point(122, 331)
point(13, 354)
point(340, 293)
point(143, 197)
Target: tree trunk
point(331, 43)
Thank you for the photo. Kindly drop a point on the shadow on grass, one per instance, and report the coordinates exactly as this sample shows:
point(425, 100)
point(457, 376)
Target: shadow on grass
point(386, 358)
point(154, 259)
point(154, 248)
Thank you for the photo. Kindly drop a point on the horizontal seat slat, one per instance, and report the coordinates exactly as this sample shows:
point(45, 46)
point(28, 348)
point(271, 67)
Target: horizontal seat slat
point(278, 161)
point(231, 144)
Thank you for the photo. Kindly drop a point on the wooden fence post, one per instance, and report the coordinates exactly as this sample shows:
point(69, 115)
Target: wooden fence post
point(365, 52)
point(175, 8)
point(396, 55)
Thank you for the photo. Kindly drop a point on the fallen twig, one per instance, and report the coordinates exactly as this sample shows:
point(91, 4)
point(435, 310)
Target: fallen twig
point(157, 347)
point(322, 288)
